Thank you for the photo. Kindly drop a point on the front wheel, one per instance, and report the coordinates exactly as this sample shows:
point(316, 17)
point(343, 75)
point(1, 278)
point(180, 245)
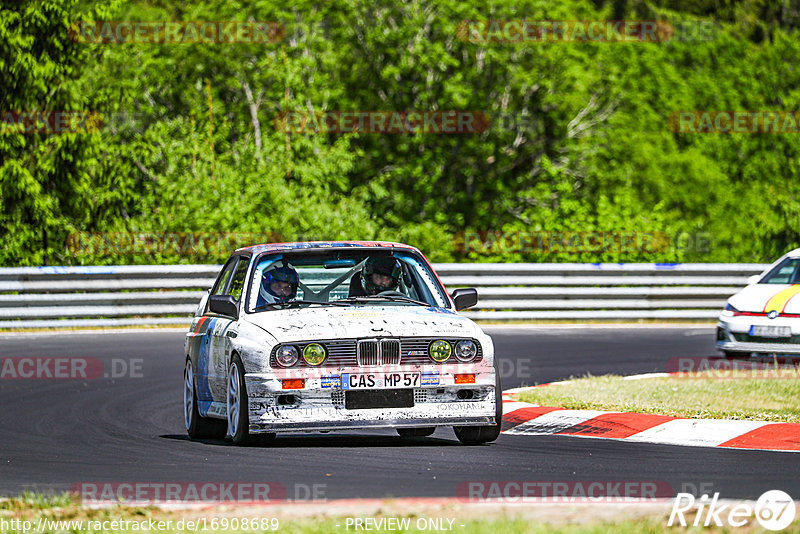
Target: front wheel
point(475, 435)
point(238, 408)
point(197, 427)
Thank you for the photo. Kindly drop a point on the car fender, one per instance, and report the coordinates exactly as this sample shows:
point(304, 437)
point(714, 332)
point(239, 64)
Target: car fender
point(253, 345)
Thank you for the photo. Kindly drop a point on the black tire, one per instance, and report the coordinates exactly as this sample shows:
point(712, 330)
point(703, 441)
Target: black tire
point(476, 435)
point(416, 432)
point(731, 355)
point(241, 435)
point(198, 427)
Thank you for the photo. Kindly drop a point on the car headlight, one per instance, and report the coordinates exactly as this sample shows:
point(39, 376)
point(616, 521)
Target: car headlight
point(286, 356)
point(440, 350)
point(729, 311)
point(466, 350)
point(314, 354)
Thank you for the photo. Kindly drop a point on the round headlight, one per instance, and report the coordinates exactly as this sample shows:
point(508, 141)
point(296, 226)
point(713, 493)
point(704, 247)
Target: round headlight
point(466, 350)
point(286, 356)
point(440, 350)
point(314, 354)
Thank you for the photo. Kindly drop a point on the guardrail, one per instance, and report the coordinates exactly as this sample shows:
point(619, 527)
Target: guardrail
point(37, 297)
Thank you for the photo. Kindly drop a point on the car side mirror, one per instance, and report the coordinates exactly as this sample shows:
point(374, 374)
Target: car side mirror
point(223, 305)
point(465, 298)
point(753, 279)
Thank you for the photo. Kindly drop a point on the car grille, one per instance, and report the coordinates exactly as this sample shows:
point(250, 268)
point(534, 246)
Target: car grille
point(378, 352)
point(367, 352)
point(363, 352)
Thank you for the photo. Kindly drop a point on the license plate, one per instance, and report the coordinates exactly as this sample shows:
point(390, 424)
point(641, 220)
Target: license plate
point(771, 331)
point(379, 380)
point(379, 398)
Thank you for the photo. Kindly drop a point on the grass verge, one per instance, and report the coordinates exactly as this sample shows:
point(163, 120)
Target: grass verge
point(706, 394)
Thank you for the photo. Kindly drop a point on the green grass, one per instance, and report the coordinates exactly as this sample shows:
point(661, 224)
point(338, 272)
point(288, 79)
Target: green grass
point(708, 394)
point(35, 501)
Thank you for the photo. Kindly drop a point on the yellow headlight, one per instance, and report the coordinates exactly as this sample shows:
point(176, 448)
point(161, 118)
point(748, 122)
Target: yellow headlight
point(314, 354)
point(440, 350)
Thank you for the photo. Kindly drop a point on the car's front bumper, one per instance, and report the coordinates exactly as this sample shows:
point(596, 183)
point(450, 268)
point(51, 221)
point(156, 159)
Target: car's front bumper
point(318, 408)
point(733, 335)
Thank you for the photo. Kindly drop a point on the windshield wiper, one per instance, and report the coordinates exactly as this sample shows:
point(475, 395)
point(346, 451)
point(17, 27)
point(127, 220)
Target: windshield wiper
point(386, 297)
point(291, 303)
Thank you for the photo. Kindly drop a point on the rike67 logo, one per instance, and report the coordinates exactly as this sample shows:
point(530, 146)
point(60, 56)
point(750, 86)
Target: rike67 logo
point(774, 510)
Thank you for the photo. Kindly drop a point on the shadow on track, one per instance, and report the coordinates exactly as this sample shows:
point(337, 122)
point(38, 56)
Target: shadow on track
point(333, 441)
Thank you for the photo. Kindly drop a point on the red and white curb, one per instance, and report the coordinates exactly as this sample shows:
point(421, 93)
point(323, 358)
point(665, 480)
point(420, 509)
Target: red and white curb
point(522, 418)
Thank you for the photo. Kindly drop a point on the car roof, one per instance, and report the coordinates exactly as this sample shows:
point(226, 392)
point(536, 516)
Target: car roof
point(794, 253)
point(297, 245)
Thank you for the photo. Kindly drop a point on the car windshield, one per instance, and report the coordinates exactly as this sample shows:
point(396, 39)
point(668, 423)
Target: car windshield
point(787, 272)
point(343, 278)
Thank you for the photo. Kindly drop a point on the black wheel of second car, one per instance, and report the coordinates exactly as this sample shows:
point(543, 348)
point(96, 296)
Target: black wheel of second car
point(416, 432)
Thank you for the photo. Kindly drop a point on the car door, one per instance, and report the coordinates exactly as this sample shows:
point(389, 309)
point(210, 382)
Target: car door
point(225, 330)
point(206, 371)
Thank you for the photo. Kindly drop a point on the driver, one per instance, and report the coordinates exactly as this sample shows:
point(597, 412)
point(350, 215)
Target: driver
point(381, 274)
point(278, 285)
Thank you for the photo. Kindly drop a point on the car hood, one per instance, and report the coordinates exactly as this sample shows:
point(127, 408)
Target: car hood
point(317, 322)
point(757, 297)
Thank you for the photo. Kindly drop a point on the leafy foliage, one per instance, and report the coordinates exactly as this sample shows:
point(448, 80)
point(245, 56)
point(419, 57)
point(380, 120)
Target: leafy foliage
point(579, 142)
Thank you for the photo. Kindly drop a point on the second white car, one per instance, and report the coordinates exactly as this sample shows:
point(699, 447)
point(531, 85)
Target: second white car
point(764, 317)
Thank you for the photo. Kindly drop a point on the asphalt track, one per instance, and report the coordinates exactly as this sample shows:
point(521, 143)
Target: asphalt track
point(56, 433)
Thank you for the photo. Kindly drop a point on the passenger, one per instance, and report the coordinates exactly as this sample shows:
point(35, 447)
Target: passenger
point(379, 274)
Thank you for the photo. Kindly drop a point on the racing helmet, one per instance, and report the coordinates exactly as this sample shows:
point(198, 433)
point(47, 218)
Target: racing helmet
point(281, 274)
point(383, 265)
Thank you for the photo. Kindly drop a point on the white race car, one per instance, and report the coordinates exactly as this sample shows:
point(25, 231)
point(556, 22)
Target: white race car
point(325, 336)
point(764, 317)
